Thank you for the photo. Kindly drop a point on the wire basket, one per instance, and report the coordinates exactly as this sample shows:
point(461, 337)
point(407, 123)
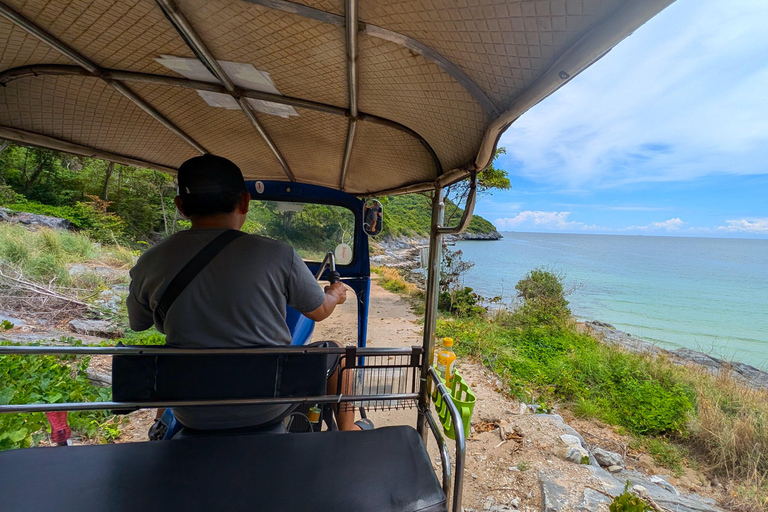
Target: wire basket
point(384, 377)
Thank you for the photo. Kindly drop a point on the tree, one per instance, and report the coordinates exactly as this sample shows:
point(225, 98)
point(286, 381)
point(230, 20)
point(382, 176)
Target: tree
point(107, 175)
point(493, 178)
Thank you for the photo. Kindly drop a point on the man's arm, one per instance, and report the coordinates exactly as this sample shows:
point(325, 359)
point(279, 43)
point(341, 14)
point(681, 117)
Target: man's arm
point(335, 294)
point(139, 314)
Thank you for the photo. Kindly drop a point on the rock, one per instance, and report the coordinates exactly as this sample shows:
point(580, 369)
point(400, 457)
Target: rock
point(95, 328)
point(6, 317)
point(554, 497)
point(570, 440)
point(119, 289)
point(606, 458)
point(109, 300)
point(493, 235)
point(640, 490)
point(33, 219)
point(614, 469)
point(515, 503)
point(577, 455)
point(664, 484)
point(78, 270)
point(102, 380)
point(592, 499)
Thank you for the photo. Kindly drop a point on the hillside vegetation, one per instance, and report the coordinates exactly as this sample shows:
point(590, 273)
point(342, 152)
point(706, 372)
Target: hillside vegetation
point(411, 215)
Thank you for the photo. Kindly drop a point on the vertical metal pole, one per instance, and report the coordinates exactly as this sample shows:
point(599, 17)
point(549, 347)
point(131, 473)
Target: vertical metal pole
point(430, 310)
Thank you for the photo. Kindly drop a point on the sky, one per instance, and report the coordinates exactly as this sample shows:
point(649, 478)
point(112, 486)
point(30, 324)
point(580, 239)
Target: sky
point(665, 135)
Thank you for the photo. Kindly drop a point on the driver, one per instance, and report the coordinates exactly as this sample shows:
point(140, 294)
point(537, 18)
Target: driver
point(238, 299)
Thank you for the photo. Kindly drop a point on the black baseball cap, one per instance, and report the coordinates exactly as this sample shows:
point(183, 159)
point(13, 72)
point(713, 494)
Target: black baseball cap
point(209, 174)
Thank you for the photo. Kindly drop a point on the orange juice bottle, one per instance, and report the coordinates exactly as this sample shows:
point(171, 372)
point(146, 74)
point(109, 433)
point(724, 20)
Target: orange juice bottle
point(446, 361)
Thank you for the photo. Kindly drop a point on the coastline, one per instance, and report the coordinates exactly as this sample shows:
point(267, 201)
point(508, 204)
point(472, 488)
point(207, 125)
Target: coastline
point(742, 372)
point(404, 253)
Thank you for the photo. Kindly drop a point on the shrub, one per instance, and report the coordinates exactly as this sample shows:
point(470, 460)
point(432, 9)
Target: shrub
point(543, 297)
point(461, 302)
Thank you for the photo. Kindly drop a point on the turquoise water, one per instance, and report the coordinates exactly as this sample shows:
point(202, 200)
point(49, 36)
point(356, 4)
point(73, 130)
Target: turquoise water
point(707, 294)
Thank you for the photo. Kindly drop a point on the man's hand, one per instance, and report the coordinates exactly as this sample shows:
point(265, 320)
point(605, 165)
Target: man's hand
point(339, 290)
point(335, 294)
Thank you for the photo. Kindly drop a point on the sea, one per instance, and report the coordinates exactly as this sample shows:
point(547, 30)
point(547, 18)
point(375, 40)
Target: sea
point(706, 294)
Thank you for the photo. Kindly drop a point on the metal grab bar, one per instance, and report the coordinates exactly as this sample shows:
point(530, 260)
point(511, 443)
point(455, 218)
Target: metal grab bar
point(469, 209)
point(328, 262)
point(461, 444)
point(445, 457)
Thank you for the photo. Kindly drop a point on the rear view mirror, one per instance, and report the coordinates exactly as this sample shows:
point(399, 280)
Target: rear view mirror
point(373, 221)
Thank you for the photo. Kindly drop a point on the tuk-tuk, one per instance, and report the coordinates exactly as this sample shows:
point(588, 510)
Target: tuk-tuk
point(324, 102)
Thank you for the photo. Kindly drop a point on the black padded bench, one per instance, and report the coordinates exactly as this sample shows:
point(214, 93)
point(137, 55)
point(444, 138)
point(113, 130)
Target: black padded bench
point(380, 470)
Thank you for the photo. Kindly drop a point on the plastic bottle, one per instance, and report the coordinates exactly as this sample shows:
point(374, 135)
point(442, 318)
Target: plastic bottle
point(446, 361)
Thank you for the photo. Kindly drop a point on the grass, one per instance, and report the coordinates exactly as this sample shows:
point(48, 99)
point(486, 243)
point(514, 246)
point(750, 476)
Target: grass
point(678, 414)
point(392, 280)
point(44, 256)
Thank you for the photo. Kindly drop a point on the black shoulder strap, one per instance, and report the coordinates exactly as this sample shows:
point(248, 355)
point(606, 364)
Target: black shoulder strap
point(187, 274)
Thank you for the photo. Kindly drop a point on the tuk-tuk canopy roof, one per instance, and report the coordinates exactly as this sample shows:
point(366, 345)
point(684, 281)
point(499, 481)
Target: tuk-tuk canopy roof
point(372, 98)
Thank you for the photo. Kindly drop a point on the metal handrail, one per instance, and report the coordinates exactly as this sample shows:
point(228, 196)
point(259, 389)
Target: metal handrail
point(445, 456)
point(98, 406)
point(143, 350)
point(461, 444)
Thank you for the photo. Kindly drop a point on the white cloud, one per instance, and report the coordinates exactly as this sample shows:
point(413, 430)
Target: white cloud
point(667, 225)
point(745, 226)
point(670, 225)
point(680, 99)
point(544, 221)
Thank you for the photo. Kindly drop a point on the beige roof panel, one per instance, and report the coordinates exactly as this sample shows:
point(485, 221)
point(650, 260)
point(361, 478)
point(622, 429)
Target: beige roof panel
point(399, 96)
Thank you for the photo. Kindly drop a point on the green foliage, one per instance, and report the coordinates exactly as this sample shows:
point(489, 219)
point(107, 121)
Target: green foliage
point(42, 255)
point(411, 215)
point(312, 231)
point(461, 302)
point(6, 325)
point(628, 502)
point(50, 183)
point(543, 297)
point(149, 337)
point(103, 227)
point(46, 379)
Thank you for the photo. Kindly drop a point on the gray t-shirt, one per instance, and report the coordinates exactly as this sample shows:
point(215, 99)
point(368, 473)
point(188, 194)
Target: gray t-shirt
point(237, 300)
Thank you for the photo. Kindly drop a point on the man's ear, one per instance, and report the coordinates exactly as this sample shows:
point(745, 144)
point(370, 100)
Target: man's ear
point(245, 203)
point(177, 202)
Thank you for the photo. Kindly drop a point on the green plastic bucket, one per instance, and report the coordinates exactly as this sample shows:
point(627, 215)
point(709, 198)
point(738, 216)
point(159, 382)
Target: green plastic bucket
point(464, 400)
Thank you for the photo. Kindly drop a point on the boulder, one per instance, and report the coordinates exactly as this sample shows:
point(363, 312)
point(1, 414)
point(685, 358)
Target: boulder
point(606, 458)
point(661, 482)
point(33, 219)
point(95, 328)
point(570, 440)
point(577, 455)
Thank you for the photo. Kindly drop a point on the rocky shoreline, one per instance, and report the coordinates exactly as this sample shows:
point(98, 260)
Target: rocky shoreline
point(404, 252)
point(741, 372)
